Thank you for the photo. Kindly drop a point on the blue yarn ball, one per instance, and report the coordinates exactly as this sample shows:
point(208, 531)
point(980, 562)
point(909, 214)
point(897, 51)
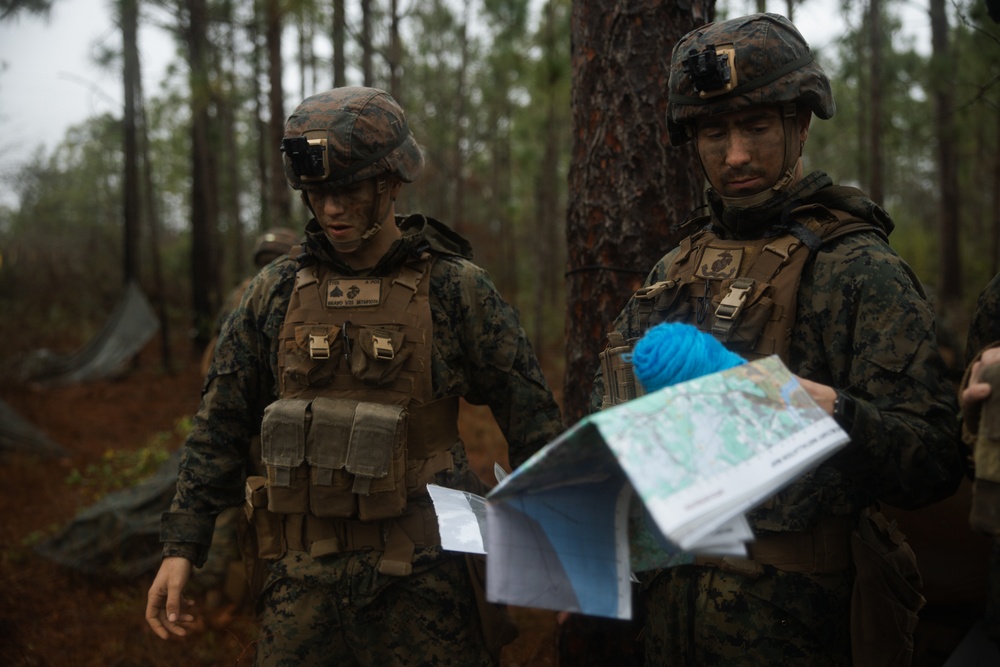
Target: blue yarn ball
point(674, 352)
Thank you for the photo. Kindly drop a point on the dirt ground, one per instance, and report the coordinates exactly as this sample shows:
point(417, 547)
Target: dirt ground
point(51, 616)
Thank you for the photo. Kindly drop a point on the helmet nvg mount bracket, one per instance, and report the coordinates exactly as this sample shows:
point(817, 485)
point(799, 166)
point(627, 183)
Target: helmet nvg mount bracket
point(747, 61)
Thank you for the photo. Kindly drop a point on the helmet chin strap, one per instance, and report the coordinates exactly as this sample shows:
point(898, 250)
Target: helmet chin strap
point(793, 151)
point(375, 220)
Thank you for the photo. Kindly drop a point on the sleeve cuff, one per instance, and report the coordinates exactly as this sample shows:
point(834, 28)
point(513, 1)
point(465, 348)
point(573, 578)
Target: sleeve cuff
point(193, 552)
point(186, 535)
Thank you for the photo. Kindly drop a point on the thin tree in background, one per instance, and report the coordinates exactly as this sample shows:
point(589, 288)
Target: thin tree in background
point(395, 54)
point(461, 99)
point(943, 87)
point(227, 102)
point(338, 36)
point(153, 216)
point(129, 13)
point(137, 190)
point(205, 288)
point(273, 22)
point(367, 74)
point(876, 187)
point(261, 126)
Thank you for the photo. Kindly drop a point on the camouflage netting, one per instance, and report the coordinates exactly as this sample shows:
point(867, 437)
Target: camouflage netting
point(19, 435)
point(125, 333)
point(119, 535)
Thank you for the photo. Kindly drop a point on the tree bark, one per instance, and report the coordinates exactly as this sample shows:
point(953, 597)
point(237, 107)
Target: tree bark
point(628, 191)
point(628, 187)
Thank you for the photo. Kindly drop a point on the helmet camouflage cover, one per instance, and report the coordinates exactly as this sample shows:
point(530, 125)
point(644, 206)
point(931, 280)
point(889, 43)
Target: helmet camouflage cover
point(743, 62)
point(276, 240)
point(346, 135)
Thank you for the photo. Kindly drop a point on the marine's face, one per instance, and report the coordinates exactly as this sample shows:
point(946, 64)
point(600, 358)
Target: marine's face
point(742, 151)
point(345, 212)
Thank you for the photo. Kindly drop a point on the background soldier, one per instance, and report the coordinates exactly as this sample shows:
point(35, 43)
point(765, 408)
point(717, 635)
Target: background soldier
point(224, 572)
point(270, 245)
point(349, 360)
point(789, 264)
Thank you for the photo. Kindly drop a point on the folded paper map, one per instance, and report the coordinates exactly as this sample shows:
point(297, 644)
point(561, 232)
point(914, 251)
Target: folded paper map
point(650, 483)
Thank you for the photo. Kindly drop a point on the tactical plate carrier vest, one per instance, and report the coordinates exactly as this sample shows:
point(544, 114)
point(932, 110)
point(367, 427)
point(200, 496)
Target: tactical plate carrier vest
point(742, 292)
point(354, 437)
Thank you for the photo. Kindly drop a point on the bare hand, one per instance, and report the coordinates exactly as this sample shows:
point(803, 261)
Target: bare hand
point(978, 391)
point(163, 603)
point(824, 395)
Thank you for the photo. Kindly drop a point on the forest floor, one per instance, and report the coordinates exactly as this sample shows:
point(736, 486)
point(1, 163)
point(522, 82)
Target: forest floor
point(51, 616)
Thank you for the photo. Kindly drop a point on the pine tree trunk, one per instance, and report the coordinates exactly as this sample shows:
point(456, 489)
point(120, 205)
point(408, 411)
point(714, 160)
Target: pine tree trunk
point(628, 189)
point(628, 186)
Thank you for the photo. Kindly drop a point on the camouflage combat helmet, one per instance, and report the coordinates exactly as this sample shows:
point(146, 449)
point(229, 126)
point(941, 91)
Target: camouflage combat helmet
point(743, 62)
point(346, 135)
point(275, 242)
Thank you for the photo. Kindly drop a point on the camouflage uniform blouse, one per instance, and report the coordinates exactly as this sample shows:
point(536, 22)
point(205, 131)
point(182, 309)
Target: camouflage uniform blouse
point(480, 353)
point(863, 326)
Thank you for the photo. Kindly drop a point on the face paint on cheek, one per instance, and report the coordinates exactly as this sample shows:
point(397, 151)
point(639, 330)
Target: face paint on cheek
point(356, 205)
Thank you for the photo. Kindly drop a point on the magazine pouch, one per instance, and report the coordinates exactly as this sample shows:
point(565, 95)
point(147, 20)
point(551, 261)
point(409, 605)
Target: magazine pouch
point(620, 384)
point(329, 439)
point(283, 449)
point(377, 460)
point(886, 595)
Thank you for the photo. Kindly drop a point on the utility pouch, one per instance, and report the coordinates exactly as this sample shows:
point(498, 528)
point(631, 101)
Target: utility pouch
point(313, 359)
point(379, 355)
point(266, 526)
point(283, 447)
point(886, 595)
